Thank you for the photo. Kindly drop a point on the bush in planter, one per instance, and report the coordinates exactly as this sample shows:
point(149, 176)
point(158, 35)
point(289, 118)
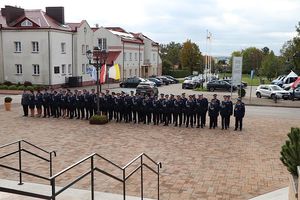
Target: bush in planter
point(8, 83)
point(7, 99)
point(21, 87)
point(290, 151)
point(3, 87)
point(29, 88)
point(242, 92)
point(27, 83)
point(98, 119)
point(12, 87)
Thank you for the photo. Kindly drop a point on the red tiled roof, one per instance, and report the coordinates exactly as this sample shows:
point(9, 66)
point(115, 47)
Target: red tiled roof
point(119, 29)
point(112, 56)
point(39, 17)
point(74, 26)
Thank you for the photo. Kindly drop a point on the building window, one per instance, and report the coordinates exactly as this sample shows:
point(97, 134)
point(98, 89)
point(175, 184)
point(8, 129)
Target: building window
point(130, 72)
point(135, 72)
point(83, 49)
point(63, 47)
point(130, 56)
point(56, 69)
point(102, 44)
point(83, 68)
point(35, 47)
point(154, 57)
point(63, 69)
point(124, 56)
point(18, 47)
point(69, 69)
point(36, 70)
point(26, 23)
point(141, 56)
point(135, 56)
point(19, 69)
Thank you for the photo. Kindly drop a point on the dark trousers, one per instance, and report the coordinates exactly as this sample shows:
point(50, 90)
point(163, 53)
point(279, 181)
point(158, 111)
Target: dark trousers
point(228, 121)
point(204, 118)
point(46, 110)
point(110, 113)
point(224, 121)
point(238, 123)
point(213, 121)
point(72, 112)
point(87, 112)
point(156, 118)
point(25, 110)
point(175, 118)
point(148, 116)
point(166, 118)
point(55, 111)
point(134, 114)
point(189, 119)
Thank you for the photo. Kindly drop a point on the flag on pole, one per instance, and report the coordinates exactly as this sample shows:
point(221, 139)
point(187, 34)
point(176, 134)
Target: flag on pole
point(103, 74)
point(296, 83)
point(114, 72)
point(94, 74)
point(252, 74)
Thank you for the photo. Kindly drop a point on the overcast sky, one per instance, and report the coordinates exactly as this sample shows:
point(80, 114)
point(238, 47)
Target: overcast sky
point(234, 24)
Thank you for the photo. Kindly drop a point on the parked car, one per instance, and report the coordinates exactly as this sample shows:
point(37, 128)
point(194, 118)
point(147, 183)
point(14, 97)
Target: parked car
point(294, 94)
point(165, 80)
point(172, 78)
point(131, 82)
point(146, 88)
point(244, 84)
point(156, 81)
point(219, 85)
point(285, 81)
point(190, 84)
point(271, 91)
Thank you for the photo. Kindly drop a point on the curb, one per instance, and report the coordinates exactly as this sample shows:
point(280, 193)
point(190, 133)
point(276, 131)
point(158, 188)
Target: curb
point(274, 106)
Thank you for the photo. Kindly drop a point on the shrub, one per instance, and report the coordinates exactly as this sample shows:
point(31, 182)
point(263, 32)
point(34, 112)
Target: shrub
point(21, 87)
point(242, 92)
point(12, 87)
point(179, 73)
point(8, 83)
point(290, 151)
point(98, 119)
point(29, 88)
point(27, 83)
point(3, 87)
point(7, 99)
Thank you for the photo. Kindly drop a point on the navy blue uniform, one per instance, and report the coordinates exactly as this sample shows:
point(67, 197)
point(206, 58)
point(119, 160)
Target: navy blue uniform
point(239, 113)
point(46, 104)
point(213, 112)
point(225, 113)
point(189, 110)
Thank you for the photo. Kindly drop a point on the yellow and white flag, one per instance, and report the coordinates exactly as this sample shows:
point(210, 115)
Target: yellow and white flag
point(114, 72)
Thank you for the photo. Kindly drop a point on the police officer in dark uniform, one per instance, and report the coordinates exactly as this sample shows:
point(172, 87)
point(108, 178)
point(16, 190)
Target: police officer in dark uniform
point(148, 111)
point(189, 108)
point(184, 99)
point(203, 110)
point(110, 103)
point(166, 110)
point(46, 103)
point(92, 102)
point(231, 110)
point(177, 110)
point(171, 108)
point(161, 109)
point(213, 112)
point(239, 113)
point(224, 112)
point(87, 104)
point(118, 107)
point(72, 104)
point(127, 108)
point(55, 101)
point(217, 101)
point(155, 110)
point(39, 103)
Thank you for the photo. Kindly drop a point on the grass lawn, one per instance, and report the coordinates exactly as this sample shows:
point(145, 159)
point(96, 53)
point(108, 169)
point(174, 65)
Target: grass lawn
point(246, 78)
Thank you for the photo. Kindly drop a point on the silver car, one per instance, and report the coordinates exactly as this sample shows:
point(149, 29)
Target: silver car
point(272, 91)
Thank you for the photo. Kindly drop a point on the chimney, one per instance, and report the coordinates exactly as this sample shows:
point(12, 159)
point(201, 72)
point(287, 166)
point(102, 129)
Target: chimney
point(97, 25)
point(12, 13)
point(56, 13)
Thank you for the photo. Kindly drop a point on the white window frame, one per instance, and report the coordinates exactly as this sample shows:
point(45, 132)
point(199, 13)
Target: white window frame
point(18, 47)
point(83, 49)
point(63, 69)
point(135, 56)
point(36, 69)
point(63, 47)
point(58, 69)
point(141, 56)
point(19, 69)
point(35, 47)
point(130, 56)
point(102, 43)
point(26, 23)
point(83, 68)
point(69, 69)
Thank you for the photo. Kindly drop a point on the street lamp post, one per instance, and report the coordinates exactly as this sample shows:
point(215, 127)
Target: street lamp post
point(99, 58)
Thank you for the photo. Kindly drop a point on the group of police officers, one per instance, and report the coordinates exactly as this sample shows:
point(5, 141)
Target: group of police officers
point(137, 108)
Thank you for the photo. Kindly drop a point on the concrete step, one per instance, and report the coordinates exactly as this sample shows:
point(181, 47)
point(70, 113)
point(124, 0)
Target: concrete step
point(281, 194)
point(69, 194)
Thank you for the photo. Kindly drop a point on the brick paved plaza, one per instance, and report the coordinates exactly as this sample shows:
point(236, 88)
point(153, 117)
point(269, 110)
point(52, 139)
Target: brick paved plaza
point(197, 163)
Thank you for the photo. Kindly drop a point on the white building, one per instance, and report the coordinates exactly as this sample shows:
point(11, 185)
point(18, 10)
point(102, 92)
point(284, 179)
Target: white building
point(40, 47)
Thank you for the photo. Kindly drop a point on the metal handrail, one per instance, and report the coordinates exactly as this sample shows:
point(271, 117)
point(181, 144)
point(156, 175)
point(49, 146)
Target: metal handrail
point(22, 149)
point(93, 168)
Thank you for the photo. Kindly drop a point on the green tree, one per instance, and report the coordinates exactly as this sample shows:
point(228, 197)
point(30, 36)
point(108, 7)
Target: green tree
point(252, 58)
point(270, 66)
point(171, 52)
point(166, 66)
point(190, 57)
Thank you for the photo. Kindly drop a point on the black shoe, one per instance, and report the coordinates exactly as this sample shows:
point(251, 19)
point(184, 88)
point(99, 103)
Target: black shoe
point(198, 126)
point(235, 129)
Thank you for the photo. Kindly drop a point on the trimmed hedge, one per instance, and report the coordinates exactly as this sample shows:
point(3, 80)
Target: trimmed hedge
point(3, 87)
point(98, 119)
point(12, 87)
point(179, 73)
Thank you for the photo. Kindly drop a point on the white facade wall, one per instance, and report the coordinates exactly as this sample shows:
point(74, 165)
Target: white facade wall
point(26, 57)
point(131, 60)
point(1, 59)
point(59, 58)
point(82, 41)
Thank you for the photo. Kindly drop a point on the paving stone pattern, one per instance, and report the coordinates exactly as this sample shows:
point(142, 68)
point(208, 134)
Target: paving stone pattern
point(197, 163)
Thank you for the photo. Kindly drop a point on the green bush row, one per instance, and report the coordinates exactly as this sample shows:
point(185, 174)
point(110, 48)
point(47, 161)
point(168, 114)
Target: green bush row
point(20, 87)
point(179, 73)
